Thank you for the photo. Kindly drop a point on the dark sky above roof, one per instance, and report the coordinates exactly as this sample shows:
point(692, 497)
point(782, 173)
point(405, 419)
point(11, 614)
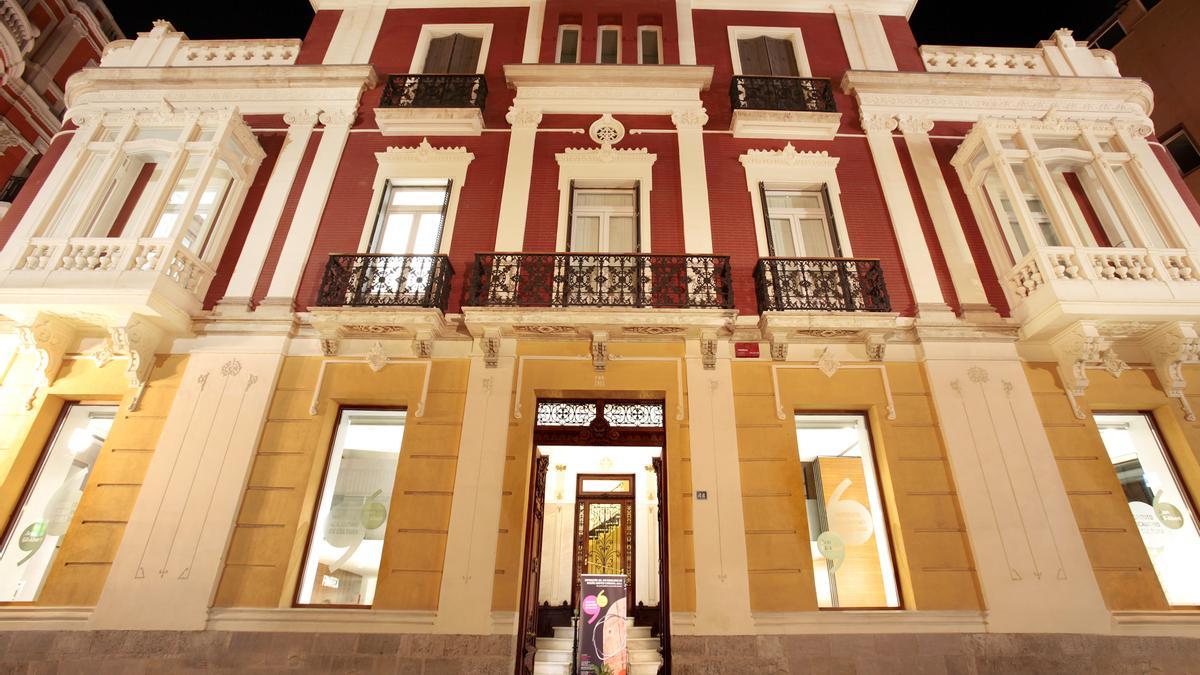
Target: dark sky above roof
point(1015, 23)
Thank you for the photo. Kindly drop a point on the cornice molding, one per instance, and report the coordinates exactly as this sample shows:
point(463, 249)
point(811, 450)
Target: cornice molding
point(606, 155)
point(425, 153)
point(788, 157)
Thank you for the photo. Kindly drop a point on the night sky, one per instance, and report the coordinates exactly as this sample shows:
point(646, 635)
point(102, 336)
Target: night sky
point(1021, 23)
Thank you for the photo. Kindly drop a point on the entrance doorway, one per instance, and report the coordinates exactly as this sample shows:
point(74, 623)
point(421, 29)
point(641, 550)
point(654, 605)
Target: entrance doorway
point(594, 508)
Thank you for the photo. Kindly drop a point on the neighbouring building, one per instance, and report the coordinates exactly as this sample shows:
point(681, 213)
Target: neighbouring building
point(1152, 39)
point(358, 352)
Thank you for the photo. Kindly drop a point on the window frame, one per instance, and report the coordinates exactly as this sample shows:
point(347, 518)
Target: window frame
point(605, 214)
point(792, 35)
point(558, 45)
point(619, 30)
point(1181, 132)
point(773, 170)
point(385, 210)
point(658, 32)
point(429, 31)
point(825, 213)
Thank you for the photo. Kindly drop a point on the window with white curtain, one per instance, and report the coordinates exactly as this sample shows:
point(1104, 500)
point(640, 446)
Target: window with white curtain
point(410, 220)
point(799, 225)
point(604, 220)
point(608, 44)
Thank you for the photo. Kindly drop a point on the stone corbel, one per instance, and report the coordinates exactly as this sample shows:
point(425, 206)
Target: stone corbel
point(779, 347)
point(1075, 349)
point(1170, 348)
point(876, 346)
point(600, 351)
point(331, 339)
point(490, 345)
point(140, 340)
point(423, 344)
point(708, 350)
point(48, 337)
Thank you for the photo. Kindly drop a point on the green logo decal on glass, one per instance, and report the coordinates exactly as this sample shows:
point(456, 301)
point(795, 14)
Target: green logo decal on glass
point(1168, 514)
point(374, 513)
point(31, 540)
point(832, 548)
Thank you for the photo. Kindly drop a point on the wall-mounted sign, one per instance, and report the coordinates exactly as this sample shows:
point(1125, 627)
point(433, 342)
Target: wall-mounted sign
point(602, 626)
point(745, 350)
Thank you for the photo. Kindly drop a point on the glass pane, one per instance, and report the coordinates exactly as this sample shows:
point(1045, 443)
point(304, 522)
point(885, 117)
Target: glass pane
point(650, 47)
point(1049, 143)
point(1004, 211)
point(1154, 238)
point(208, 208)
point(781, 238)
point(165, 226)
point(342, 564)
point(605, 533)
point(816, 238)
point(406, 196)
point(569, 50)
point(107, 135)
point(794, 200)
point(585, 234)
point(428, 229)
point(852, 560)
point(622, 235)
point(610, 199)
point(610, 41)
point(1037, 209)
point(40, 522)
point(67, 219)
point(606, 485)
point(1160, 508)
point(397, 229)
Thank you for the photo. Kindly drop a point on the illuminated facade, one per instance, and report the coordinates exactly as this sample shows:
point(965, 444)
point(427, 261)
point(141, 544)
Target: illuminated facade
point(358, 351)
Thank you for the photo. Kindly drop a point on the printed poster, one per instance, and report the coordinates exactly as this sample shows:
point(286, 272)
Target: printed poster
point(602, 625)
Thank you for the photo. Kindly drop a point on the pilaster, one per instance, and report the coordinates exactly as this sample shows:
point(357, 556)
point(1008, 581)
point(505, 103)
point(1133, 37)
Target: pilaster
point(693, 180)
point(687, 33)
point(518, 172)
point(356, 33)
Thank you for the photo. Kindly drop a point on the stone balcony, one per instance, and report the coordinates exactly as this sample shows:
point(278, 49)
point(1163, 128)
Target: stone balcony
point(1059, 56)
point(163, 47)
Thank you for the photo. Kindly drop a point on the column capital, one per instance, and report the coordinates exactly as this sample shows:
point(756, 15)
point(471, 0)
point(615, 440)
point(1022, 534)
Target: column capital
point(691, 119)
point(874, 123)
point(303, 117)
point(342, 117)
point(914, 124)
point(521, 117)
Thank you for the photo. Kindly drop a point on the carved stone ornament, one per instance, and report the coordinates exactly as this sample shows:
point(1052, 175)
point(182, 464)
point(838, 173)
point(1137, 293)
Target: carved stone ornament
point(708, 351)
point(828, 363)
point(1113, 363)
point(605, 155)
point(600, 351)
point(423, 344)
point(1170, 348)
point(779, 348)
point(303, 117)
point(1076, 348)
point(606, 131)
point(791, 158)
point(693, 119)
point(48, 337)
point(490, 345)
point(140, 340)
point(875, 123)
point(914, 124)
point(876, 346)
point(521, 117)
point(424, 152)
point(377, 357)
point(9, 138)
point(344, 117)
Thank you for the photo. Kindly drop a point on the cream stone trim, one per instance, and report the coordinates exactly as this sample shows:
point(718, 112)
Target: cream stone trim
point(792, 35)
point(870, 621)
point(421, 162)
point(590, 89)
point(791, 170)
point(605, 167)
point(377, 359)
point(20, 618)
point(829, 365)
point(317, 620)
point(1172, 622)
point(429, 31)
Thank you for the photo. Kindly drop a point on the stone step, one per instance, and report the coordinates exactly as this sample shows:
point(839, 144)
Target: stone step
point(553, 656)
point(643, 644)
point(645, 656)
point(555, 643)
point(636, 668)
point(566, 632)
point(552, 668)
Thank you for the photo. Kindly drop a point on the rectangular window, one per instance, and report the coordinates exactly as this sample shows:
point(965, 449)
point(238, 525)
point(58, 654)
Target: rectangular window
point(650, 45)
point(604, 221)
point(410, 220)
point(40, 521)
point(851, 551)
point(1133, 196)
point(341, 565)
point(1183, 150)
point(1110, 37)
point(608, 45)
point(568, 44)
point(799, 224)
point(1037, 209)
point(1161, 508)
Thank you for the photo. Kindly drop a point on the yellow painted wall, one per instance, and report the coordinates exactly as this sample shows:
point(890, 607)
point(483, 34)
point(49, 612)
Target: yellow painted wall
point(929, 539)
point(577, 378)
point(1119, 559)
point(267, 547)
point(90, 545)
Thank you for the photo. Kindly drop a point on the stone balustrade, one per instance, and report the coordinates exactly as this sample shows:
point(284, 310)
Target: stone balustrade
point(1061, 56)
point(99, 255)
point(164, 46)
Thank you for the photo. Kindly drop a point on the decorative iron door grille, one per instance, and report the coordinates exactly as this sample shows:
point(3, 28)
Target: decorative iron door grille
point(821, 284)
point(379, 280)
point(411, 90)
point(599, 280)
point(799, 94)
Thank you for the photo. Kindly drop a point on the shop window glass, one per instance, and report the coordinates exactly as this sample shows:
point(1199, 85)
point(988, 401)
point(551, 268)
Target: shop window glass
point(36, 531)
point(848, 536)
point(1161, 508)
point(341, 566)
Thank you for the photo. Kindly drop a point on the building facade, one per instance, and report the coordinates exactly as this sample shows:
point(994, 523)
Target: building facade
point(357, 352)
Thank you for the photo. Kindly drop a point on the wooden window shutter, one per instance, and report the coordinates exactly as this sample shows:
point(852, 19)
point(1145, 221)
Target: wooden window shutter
point(782, 57)
point(766, 212)
point(833, 232)
point(753, 54)
point(437, 59)
point(465, 57)
point(637, 217)
point(570, 214)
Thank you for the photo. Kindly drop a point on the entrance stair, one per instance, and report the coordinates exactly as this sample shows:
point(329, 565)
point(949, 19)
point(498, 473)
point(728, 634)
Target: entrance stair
point(554, 654)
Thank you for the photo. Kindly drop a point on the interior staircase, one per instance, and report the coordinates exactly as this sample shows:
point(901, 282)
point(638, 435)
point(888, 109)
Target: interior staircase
point(554, 654)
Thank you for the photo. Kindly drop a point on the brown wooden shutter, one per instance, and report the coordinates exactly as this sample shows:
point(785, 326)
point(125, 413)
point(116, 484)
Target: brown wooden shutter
point(833, 231)
point(465, 57)
point(437, 59)
point(570, 215)
point(782, 57)
point(753, 53)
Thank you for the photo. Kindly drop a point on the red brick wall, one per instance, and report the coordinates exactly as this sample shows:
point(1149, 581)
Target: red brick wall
point(867, 221)
point(931, 239)
point(316, 41)
point(36, 179)
point(272, 143)
point(285, 219)
point(350, 203)
point(79, 57)
point(629, 14)
point(903, 42)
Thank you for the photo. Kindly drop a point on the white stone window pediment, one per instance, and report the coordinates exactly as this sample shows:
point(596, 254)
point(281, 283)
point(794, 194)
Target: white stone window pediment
point(792, 169)
point(606, 165)
point(422, 162)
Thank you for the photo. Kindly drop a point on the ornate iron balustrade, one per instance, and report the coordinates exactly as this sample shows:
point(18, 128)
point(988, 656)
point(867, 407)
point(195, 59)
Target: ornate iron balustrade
point(377, 280)
point(821, 284)
point(599, 280)
point(800, 94)
point(434, 91)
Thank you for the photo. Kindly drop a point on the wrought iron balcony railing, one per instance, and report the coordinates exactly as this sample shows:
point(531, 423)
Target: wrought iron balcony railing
point(600, 280)
point(821, 284)
point(378, 280)
point(798, 94)
point(434, 91)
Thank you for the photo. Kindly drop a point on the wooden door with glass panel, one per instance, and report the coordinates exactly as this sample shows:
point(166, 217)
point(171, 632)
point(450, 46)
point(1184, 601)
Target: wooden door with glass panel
point(604, 537)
